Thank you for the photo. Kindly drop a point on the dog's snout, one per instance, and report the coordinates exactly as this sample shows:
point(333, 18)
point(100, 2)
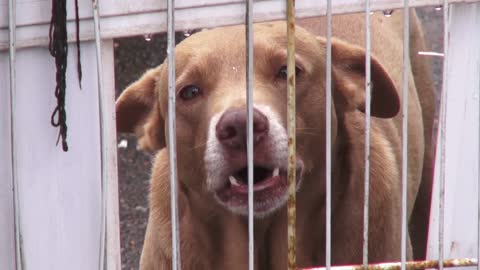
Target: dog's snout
point(231, 129)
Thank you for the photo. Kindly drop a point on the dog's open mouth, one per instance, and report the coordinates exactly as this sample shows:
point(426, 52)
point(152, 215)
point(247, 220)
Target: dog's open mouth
point(269, 187)
point(262, 178)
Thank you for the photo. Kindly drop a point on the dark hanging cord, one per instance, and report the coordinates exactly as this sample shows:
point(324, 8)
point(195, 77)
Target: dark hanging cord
point(79, 63)
point(59, 49)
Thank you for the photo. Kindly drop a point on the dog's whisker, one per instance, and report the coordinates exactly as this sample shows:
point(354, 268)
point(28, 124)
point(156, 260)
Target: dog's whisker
point(308, 133)
point(198, 145)
point(308, 129)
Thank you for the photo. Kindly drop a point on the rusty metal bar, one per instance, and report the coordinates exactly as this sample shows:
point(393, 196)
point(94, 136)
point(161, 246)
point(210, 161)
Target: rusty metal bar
point(102, 117)
point(414, 265)
point(291, 134)
point(172, 143)
point(406, 72)
point(249, 78)
point(12, 26)
point(328, 146)
point(443, 121)
point(367, 133)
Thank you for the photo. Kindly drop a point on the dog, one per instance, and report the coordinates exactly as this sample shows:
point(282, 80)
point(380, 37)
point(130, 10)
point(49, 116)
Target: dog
point(211, 144)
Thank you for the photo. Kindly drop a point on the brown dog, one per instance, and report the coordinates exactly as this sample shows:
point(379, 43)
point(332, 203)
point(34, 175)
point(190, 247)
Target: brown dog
point(211, 128)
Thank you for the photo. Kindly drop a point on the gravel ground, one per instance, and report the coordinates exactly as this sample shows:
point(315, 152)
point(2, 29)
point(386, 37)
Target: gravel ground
point(133, 56)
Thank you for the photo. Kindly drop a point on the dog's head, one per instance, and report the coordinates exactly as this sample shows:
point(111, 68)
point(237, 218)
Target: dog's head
point(211, 110)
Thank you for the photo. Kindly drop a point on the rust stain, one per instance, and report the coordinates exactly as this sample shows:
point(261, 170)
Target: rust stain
point(291, 135)
point(291, 80)
point(413, 265)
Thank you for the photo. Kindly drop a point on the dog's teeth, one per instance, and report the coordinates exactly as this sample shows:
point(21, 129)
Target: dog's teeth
point(276, 172)
point(233, 180)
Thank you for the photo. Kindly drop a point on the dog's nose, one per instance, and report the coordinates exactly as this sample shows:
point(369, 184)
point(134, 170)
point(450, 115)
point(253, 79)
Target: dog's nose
point(231, 129)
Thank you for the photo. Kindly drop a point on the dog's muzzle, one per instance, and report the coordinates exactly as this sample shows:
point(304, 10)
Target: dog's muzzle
point(226, 161)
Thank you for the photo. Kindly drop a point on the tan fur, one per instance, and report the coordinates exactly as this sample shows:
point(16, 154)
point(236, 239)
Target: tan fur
point(213, 237)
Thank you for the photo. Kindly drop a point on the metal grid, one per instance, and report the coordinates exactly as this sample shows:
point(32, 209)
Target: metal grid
point(291, 133)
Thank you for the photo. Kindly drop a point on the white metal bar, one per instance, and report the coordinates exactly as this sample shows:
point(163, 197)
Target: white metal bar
point(249, 78)
point(367, 133)
point(172, 143)
point(478, 181)
point(102, 117)
point(112, 236)
point(328, 146)
point(443, 114)
point(16, 194)
point(406, 72)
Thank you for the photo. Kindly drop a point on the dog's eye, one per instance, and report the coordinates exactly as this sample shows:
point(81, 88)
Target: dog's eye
point(282, 72)
point(190, 92)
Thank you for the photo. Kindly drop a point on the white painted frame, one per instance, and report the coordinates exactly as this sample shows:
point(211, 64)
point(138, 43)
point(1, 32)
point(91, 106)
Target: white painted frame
point(128, 17)
point(461, 141)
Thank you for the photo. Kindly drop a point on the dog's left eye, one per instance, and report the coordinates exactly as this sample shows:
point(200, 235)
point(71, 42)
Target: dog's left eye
point(190, 92)
point(282, 72)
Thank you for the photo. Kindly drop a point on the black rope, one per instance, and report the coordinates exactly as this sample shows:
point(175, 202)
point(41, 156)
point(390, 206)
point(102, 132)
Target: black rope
point(79, 63)
point(59, 50)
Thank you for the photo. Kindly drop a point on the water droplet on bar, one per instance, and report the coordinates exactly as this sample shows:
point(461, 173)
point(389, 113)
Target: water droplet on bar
point(148, 37)
point(388, 12)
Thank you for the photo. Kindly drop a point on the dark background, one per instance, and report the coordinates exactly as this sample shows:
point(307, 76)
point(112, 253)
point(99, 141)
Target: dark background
point(133, 56)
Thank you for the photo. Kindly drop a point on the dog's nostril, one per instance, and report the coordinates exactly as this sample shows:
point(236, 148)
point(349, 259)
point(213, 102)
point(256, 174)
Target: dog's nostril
point(227, 132)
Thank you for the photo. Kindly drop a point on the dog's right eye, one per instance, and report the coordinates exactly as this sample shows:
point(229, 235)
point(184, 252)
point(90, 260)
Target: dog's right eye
point(283, 74)
point(190, 92)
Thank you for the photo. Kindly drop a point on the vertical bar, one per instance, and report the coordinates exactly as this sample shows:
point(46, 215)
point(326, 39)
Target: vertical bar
point(102, 112)
point(367, 133)
point(406, 71)
point(478, 183)
point(291, 134)
point(172, 144)
point(249, 48)
point(16, 195)
point(443, 114)
point(328, 147)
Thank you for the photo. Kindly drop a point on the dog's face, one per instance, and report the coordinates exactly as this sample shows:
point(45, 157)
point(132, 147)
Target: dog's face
point(211, 110)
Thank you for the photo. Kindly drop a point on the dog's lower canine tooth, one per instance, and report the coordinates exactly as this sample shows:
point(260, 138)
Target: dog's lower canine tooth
point(233, 180)
point(276, 172)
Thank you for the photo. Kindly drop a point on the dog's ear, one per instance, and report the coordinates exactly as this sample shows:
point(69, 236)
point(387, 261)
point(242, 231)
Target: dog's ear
point(349, 81)
point(137, 111)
